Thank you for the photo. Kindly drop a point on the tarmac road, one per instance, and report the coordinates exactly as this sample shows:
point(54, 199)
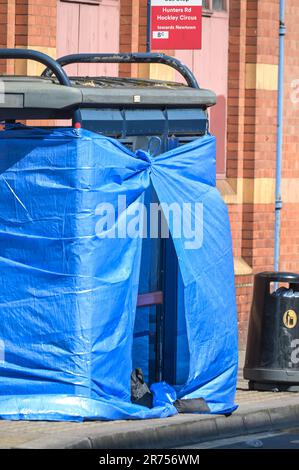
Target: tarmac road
point(284, 439)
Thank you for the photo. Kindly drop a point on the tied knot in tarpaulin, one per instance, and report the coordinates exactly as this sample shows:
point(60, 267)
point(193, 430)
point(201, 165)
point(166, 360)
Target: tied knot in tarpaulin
point(153, 150)
point(147, 158)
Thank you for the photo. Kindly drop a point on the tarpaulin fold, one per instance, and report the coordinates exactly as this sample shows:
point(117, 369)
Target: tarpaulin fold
point(69, 281)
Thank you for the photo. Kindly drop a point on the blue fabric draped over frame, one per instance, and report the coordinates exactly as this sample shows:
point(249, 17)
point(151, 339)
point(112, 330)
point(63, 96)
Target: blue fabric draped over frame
point(68, 293)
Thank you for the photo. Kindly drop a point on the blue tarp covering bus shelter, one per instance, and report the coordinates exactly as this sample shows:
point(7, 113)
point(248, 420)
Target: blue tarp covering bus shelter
point(69, 274)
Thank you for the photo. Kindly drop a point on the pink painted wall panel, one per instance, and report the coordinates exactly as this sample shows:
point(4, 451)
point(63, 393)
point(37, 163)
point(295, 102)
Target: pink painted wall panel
point(88, 28)
point(210, 65)
point(68, 31)
point(109, 33)
point(99, 32)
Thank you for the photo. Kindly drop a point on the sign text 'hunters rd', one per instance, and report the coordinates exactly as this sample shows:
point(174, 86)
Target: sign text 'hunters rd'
point(176, 24)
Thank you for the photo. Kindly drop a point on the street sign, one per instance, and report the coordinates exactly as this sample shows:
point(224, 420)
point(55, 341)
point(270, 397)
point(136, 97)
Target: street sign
point(176, 24)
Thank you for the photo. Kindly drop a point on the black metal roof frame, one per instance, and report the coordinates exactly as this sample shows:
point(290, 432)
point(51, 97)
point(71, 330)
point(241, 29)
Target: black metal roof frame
point(55, 67)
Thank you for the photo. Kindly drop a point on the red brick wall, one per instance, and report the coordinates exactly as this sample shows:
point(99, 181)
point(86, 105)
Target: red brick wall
point(244, 297)
point(133, 20)
point(142, 25)
point(251, 138)
point(36, 23)
point(26, 23)
point(128, 35)
point(7, 31)
point(239, 157)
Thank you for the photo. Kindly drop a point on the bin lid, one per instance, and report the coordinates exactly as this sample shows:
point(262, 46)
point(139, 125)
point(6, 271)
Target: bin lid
point(124, 91)
point(274, 276)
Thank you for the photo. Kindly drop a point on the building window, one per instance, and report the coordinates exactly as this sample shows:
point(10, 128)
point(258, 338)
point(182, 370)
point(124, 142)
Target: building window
point(214, 5)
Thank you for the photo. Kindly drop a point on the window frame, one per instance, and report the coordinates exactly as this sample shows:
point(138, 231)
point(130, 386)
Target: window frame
point(210, 10)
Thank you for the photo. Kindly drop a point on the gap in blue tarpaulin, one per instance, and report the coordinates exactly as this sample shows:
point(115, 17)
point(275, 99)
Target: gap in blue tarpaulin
point(68, 296)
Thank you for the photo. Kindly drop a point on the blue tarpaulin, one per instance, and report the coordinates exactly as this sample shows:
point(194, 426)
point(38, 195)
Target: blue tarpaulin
point(69, 281)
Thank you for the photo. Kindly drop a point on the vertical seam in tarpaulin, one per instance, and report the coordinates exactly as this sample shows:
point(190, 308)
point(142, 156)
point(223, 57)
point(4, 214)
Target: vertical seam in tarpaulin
point(197, 382)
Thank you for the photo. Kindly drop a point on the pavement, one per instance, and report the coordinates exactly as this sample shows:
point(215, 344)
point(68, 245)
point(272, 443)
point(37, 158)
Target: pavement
point(258, 412)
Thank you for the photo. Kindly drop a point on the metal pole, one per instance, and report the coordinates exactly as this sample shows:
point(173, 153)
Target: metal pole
point(148, 27)
point(279, 141)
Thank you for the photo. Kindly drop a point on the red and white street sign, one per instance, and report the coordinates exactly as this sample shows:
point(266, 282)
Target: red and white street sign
point(176, 24)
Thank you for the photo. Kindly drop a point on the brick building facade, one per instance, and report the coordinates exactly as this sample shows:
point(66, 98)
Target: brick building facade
point(248, 182)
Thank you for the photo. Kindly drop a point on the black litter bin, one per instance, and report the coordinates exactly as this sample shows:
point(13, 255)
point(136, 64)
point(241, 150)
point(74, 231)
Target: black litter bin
point(272, 355)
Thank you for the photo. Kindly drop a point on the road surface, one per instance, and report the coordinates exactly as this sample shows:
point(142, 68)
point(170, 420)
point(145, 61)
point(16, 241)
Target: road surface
point(284, 439)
